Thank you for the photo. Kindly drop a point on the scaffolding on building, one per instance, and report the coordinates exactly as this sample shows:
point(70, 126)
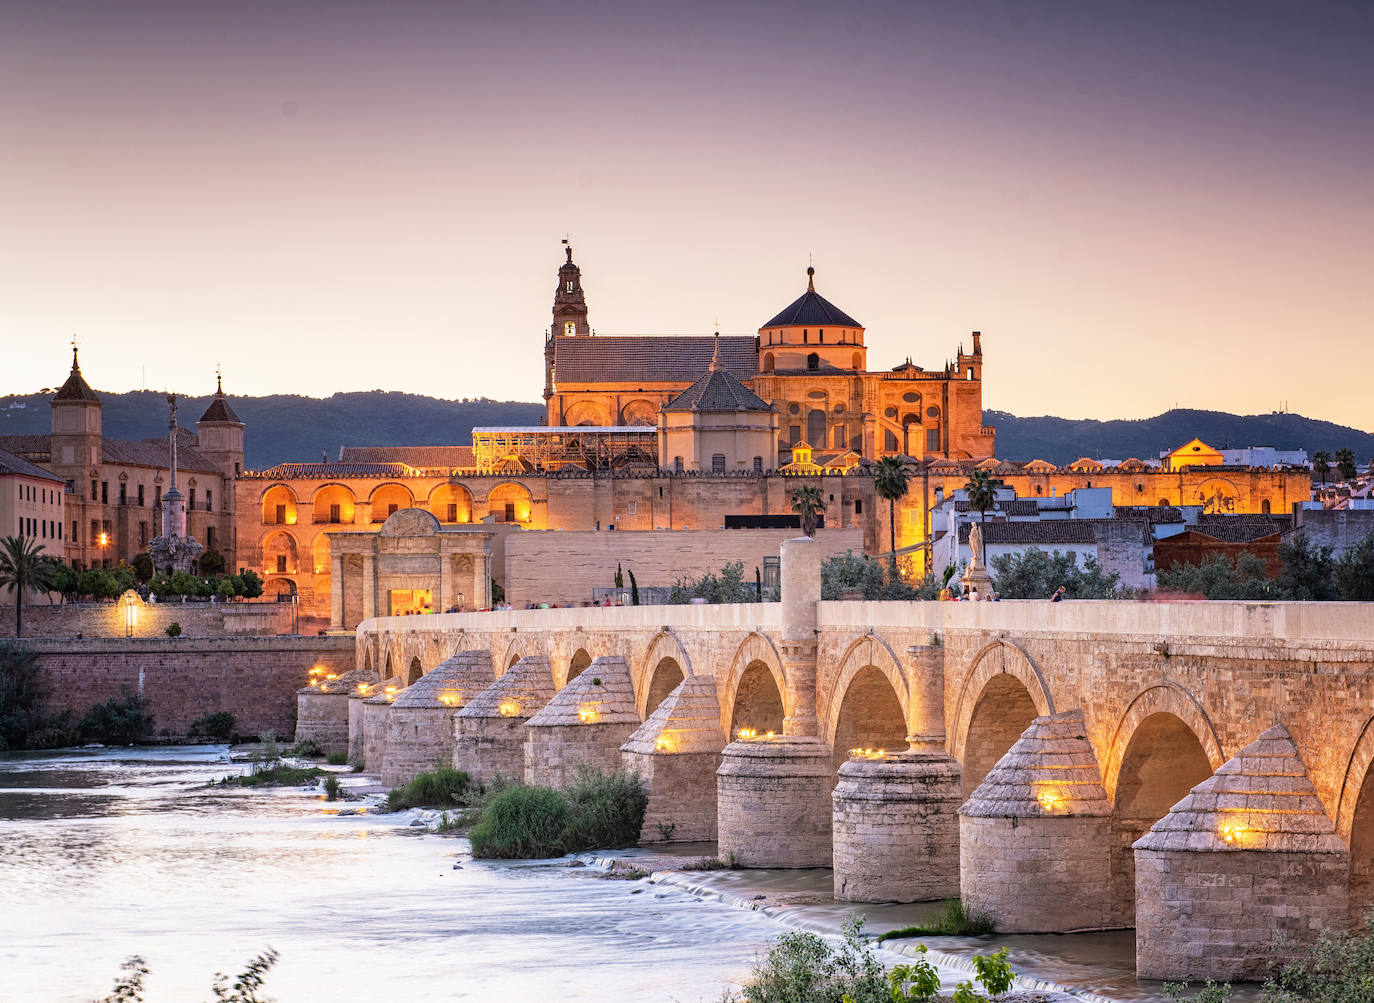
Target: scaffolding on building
point(541, 448)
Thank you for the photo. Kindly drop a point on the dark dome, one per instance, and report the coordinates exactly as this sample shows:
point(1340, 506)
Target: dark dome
point(811, 309)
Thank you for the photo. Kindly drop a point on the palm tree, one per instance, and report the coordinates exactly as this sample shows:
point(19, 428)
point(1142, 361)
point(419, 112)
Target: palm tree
point(889, 481)
point(808, 504)
point(23, 566)
point(982, 492)
point(1345, 463)
point(1321, 464)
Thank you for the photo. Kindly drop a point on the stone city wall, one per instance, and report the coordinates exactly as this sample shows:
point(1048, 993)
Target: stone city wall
point(108, 619)
point(253, 678)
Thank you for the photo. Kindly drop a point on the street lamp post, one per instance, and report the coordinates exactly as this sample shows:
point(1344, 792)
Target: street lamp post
point(295, 613)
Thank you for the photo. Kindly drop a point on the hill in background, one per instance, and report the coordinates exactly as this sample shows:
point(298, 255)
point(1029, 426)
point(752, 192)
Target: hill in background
point(290, 428)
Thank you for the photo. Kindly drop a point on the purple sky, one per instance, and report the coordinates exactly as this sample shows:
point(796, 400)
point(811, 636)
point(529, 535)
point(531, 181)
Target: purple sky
point(1138, 204)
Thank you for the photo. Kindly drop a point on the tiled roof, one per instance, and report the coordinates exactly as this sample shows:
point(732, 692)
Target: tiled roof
point(1150, 513)
point(287, 471)
point(650, 358)
point(219, 410)
point(11, 464)
point(154, 453)
point(76, 388)
point(1047, 532)
point(717, 390)
point(1242, 528)
point(1014, 506)
point(33, 445)
point(812, 309)
point(415, 456)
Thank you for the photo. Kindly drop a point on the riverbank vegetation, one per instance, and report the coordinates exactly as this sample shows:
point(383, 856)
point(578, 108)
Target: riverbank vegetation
point(445, 788)
point(598, 811)
point(955, 921)
point(25, 722)
point(802, 967)
point(267, 768)
point(242, 988)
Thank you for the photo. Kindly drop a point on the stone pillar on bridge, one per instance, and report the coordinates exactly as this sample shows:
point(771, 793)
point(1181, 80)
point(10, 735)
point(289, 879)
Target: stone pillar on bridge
point(584, 724)
point(677, 752)
point(420, 727)
point(1248, 858)
point(896, 816)
point(376, 713)
point(1035, 837)
point(369, 589)
point(773, 791)
point(324, 709)
point(336, 592)
point(489, 732)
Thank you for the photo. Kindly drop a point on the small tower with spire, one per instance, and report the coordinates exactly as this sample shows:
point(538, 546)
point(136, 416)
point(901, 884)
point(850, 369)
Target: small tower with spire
point(76, 427)
point(569, 316)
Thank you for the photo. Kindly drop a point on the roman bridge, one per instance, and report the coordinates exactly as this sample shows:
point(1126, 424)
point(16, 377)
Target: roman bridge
point(1026, 746)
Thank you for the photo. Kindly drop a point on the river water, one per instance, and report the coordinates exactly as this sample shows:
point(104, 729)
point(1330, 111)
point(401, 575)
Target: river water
point(108, 853)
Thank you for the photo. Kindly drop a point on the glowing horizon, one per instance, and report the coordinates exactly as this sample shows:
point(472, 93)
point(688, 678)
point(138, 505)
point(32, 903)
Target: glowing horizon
point(1140, 208)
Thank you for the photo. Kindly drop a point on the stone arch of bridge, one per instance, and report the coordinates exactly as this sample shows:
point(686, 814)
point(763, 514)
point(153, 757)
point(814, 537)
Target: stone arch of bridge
point(754, 659)
point(1164, 746)
point(869, 704)
point(1000, 658)
point(1355, 822)
point(516, 650)
point(868, 651)
point(414, 671)
point(665, 658)
point(575, 665)
point(367, 657)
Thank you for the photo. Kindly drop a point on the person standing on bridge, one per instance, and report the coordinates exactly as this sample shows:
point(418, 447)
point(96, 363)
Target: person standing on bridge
point(1058, 595)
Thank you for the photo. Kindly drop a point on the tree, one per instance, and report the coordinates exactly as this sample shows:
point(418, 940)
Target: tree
point(1245, 577)
point(1305, 571)
point(859, 572)
point(125, 577)
point(890, 483)
point(808, 504)
point(982, 492)
point(1321, 464)
point(1345, 463)
point(634, 590)
point(97, 583)
point(143, 568)
point(65, 578)
point(211, 563)
point(24, 568)
point(252, 585)
point(619, 576)
point(1354, 572)
point(1034, 574)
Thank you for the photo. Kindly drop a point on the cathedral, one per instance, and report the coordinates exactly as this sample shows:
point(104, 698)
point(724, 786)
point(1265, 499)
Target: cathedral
point(809, 364)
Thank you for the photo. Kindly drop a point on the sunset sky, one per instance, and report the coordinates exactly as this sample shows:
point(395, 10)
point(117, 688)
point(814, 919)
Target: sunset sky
point(1138, 204)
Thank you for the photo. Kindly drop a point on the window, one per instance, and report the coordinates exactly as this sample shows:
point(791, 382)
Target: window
point(209, 500)
point(815, 428)
point(840, 437)
point(391, 509)
point(772, 572)
point(157, 496)
point(634, 508)
point(281, 564)
point(123, 493)
point(858, 506)
point(140, 496)
point(718, 463)
point(805, 336)
point(143, 534)
point(209, 537)
point(95, 491)
point(889, 441)
point(768, 362)
point(677, 465)
point(570, 285)
point(509, 513)
point(279, 516)
point(73, 536)
point(1264, 506)
point(813, 361)
point(192, 502)
point(452, 512)
point(793, 434)
point(932, 440)
point(970, 372)
point(758, 465)
point(104, 492)
point(334, 515)
point(820, 333)
point(570, 328)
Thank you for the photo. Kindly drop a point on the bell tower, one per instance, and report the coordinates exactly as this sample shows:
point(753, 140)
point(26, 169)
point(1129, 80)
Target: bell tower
point(569, 304)
point(76, 427)
point(569, 315)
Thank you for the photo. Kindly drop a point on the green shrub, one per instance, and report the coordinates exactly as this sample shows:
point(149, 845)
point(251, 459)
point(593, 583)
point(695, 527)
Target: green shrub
point(917, 982)
point(953, 922)
point(122, 721)
point(23, 723)
point(307, 748)
point(1211, 992)
point(801, 967)
point(174, 629)
point(605, 810)
point(337, 758)
point(444, 788)
point(218, 725)
point(276, 775)
point(522, 823)
point(331, 788)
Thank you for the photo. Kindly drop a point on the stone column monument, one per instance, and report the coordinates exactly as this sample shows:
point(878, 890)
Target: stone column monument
point(175, 550)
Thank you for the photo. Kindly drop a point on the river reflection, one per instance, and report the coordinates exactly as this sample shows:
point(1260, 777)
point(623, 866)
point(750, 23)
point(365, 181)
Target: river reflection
point(104, 854)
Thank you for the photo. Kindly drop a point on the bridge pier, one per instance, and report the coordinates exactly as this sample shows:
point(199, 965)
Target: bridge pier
point(489, 732)
point(773, 802)
point(356, 701)
point(896, 828)
point(322, 710)
point(1249, 856)
point(419, 733)
point(584, 724)
point(677, 751)
point(376, 710)
point(1034, 838)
